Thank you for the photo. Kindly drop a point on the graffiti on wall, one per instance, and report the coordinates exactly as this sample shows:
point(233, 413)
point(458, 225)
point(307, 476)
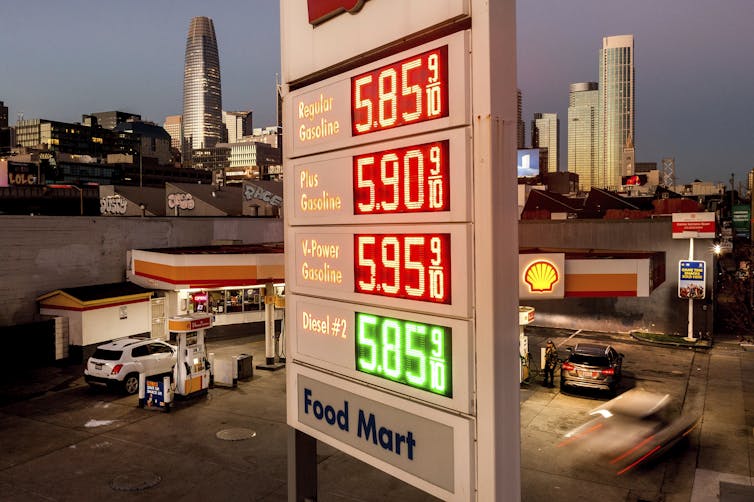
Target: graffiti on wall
point(183, 201)
point(113, 205)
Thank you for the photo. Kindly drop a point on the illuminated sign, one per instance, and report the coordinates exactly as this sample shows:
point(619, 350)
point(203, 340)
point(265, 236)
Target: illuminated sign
point(407, 270)
point(410, 93)
point(368, 184)
point(414, 89)
point(328, 335)
point(412, 179)
point(412, 266)
point(189, 323)
point(412, 353)
point(322, 10)
point(691, 280)
point(541, 276)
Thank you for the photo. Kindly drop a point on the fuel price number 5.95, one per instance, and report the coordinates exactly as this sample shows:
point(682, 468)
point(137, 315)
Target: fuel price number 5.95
point(410, 266)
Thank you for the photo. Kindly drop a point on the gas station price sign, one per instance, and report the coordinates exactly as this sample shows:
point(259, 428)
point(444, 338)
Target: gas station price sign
point(412, 353)
point(412, 90)
point(388, 182)
point(402, 180)
point(411, 266)
point(407, 270)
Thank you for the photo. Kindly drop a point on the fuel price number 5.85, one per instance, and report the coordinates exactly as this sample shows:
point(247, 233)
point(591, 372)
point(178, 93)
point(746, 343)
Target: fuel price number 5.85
point(412, 353)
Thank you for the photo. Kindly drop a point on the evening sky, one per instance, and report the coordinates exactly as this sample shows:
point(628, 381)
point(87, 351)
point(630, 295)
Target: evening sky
point(694, 65)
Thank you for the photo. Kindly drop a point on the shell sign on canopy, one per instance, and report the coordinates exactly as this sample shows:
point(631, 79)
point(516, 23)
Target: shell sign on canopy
point(541, 275)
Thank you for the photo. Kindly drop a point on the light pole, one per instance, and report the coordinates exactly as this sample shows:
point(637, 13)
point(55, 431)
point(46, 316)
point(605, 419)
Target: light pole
point(81, 199)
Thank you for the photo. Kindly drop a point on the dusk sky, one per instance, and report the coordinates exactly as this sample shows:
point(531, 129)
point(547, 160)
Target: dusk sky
point(694, 66)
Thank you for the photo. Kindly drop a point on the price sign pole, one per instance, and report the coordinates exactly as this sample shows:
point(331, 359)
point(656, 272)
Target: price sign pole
point(401, 241)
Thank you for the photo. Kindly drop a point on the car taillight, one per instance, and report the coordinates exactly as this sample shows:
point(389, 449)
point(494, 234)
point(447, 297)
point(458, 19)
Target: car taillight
point(567, 366)
point(116, 369)
point(608, 371)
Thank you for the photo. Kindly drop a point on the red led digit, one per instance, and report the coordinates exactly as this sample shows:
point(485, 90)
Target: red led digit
point(411, 266)
point(402, 180)
point(409, 91)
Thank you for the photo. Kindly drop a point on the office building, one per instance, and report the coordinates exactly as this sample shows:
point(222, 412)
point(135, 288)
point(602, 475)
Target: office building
point(76, 139)
point(583, 116)
point(520, 127)
point(154, 146)
point(616, 106)
point(202, 95)
point(5, 142)
point(545, 133)
point(109, 120)
point(238, 125)
point(174, 126)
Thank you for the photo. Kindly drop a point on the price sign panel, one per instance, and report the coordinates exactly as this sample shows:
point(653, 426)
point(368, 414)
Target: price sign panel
point(423, 177)
point(426, 357)
point(413, 92)
point(427, 270)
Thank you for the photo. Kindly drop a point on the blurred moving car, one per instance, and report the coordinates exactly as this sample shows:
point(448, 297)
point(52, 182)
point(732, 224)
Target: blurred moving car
point(592, 366)
point(118, 363)
point(630, 429)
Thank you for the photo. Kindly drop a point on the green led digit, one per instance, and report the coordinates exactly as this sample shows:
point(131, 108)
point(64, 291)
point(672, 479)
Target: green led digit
point(438, 342)
point(438, 383)
point(366, 328)
point(391, 366)
point(416, 331)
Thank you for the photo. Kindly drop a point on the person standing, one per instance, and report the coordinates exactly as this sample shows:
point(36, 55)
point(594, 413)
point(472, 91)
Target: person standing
point(551, 361)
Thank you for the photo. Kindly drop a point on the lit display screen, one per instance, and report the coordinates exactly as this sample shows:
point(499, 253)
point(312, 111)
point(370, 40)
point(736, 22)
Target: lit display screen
point(412, 353)
point(409, 91)
point(412, 266)
point(403, 180)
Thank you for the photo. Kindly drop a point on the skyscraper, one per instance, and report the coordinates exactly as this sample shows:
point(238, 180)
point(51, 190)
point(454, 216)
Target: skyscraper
point(583, 120)
point(521, 127)
point(202, 95)
point(174, 126)
point(545, 133)
point(616, 105)
point(238, 124)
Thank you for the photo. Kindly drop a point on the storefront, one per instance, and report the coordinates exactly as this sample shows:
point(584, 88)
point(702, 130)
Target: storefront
point(232, 282)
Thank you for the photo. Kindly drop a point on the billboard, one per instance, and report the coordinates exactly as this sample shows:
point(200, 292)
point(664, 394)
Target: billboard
point(528, 163)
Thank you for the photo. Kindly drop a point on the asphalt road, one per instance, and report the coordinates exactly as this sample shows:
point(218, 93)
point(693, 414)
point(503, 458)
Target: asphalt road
point(65, 441)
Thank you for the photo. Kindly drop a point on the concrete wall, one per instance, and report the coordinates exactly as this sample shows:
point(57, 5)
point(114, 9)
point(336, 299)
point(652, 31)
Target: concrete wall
point(39, 254)
point(662, 311)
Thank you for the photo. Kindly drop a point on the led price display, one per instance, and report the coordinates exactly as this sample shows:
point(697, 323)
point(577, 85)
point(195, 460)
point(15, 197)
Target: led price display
point(409, 91)
point(403, 180)
point(411, 266)
point(412, 353)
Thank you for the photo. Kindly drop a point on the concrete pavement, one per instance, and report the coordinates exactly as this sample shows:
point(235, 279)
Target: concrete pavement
point(60, 440)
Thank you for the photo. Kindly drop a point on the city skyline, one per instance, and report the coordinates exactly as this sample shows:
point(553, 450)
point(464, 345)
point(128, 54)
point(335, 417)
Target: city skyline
point(693, 102)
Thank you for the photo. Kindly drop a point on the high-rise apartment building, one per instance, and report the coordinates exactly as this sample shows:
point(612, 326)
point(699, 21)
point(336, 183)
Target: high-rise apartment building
point(545, 133)
point(238, 125)
point(202, 95)
point(174, 126)
point(583, 117)
point(616, 109)
point(521, 126)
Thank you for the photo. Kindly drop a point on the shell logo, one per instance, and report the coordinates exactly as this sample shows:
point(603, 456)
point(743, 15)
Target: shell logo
point(541, 276)
point(322, 10)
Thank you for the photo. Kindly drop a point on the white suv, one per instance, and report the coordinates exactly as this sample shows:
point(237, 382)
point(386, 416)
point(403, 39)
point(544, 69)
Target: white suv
point(118, 363)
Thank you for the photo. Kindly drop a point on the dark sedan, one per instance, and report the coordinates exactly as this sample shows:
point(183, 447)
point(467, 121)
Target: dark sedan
point(592, 366)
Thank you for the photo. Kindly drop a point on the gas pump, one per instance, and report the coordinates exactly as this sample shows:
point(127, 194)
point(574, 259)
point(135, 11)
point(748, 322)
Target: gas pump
point(191, 374)
point(525, 316)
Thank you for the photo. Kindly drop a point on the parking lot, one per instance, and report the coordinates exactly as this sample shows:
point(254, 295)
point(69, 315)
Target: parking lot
point(66, 441)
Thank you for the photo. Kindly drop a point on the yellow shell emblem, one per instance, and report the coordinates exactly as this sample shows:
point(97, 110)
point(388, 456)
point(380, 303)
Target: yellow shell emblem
point(541, 276)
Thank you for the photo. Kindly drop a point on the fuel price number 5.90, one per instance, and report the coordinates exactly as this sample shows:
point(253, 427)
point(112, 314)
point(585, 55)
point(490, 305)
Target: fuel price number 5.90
point(412, 353)
point(410, 266)
point(402, 180)
point(409, 91)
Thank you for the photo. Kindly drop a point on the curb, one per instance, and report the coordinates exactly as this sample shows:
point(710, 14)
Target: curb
point(651, 338)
